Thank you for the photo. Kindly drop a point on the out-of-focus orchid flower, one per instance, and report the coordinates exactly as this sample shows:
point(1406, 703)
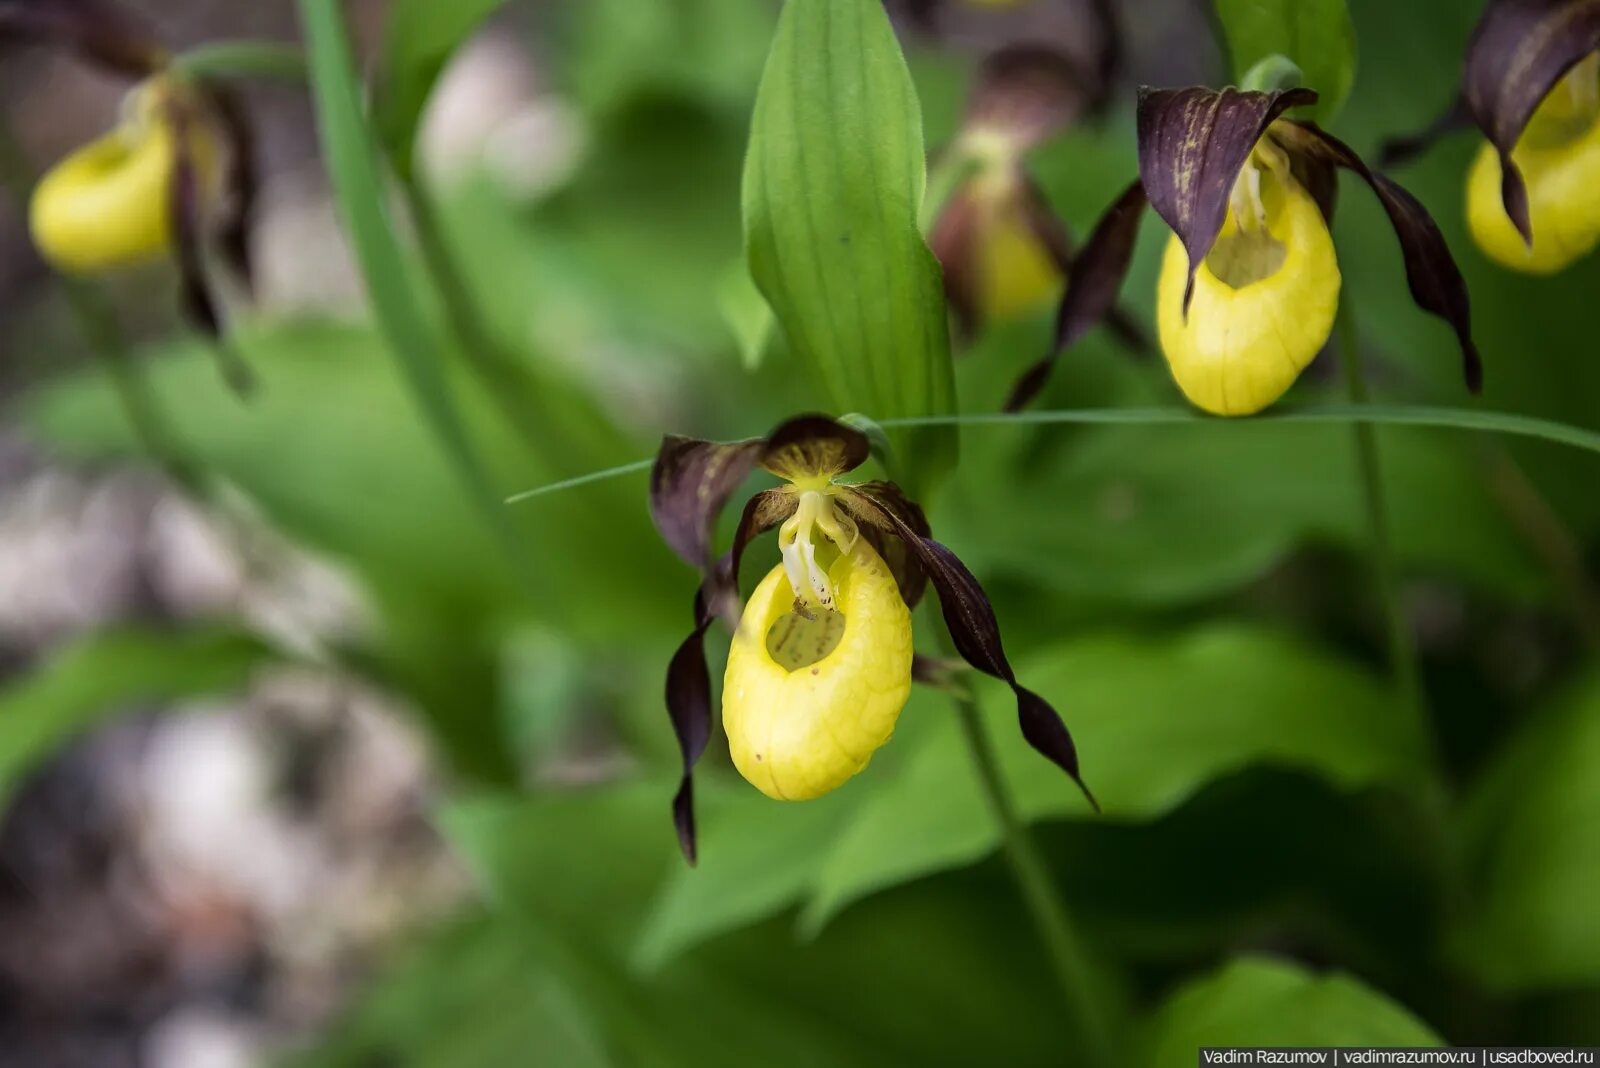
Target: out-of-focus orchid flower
point(1531, 84)
point(1250, 283)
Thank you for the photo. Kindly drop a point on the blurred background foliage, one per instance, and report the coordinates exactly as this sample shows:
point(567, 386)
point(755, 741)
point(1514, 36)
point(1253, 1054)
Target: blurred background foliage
point(1282, 858)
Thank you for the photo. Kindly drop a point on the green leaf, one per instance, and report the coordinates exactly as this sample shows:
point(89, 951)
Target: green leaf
point(362, 199)
point(103, 674)
point(1154, 720)
point(756, 859)
point(1531, 848)
point(419, 39)
point(1178, 514)
point(833, 186)
point(1257, 1001)
point(578, 871)
point(471, 996)
point(1317, 35)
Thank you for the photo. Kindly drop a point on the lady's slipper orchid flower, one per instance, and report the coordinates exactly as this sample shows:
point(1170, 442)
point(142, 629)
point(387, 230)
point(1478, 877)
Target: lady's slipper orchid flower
point(1531, 83)
point(174, 176)
point(1250, 284)
point(1003, 252)
point(821, 661)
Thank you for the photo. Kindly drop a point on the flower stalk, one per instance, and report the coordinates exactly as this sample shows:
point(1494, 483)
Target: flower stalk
point(1402, 646)
point(361, 195)
point(1082, 983)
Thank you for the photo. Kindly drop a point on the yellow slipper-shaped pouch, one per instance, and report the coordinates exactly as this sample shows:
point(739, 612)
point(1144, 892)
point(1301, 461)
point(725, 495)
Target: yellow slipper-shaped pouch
point(1264, 304)
point(811, 693)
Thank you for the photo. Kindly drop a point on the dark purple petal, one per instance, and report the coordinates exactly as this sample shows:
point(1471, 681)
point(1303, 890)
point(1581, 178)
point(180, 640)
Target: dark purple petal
point(1192, 145)
point(1435, 280)
point(1027, 92)
point(689, 485)
point(239, 197)
point(1092, 287)
point(101, 34)
point(188, 232)
point(1518, 53)
point(688, 680)
point(1402, 150)
point(976, 633)
point(869, 504)
point(689, 705)
point(189, 238)
point(814, 446)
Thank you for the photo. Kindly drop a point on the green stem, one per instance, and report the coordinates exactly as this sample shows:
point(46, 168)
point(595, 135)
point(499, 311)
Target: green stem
point(1081, 983)
point(503, 380)
point(242, 59)
point(1402, 647)
point(362, 196)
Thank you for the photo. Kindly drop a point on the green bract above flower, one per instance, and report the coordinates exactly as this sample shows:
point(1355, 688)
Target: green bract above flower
point(1251, 284)
point(176, 175)
point(821, 660)
point(1531, 84)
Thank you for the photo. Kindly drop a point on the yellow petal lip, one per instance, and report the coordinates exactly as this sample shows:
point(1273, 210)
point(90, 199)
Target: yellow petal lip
point(1240, 349)
point(1017, 273)
point(799, 734)
point(1563, 184)
point(107, 205)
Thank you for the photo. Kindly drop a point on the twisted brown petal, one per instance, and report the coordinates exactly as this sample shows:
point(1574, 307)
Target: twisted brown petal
point(870, 507)
point(688, 691)
point(1435, 280)
point(1092, 287)
point(976, 632)
point(689, 485)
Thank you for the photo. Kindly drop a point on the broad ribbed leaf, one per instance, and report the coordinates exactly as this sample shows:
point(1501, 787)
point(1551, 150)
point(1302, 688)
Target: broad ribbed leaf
point(1154, 721)
point(1317, 34)
point(833, 185)
point(576, 871)
point(1530, 836)
point(1257, 1001)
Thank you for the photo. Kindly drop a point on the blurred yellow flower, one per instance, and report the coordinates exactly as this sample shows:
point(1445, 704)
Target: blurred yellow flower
point(110, 203)
point(1559, 157)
